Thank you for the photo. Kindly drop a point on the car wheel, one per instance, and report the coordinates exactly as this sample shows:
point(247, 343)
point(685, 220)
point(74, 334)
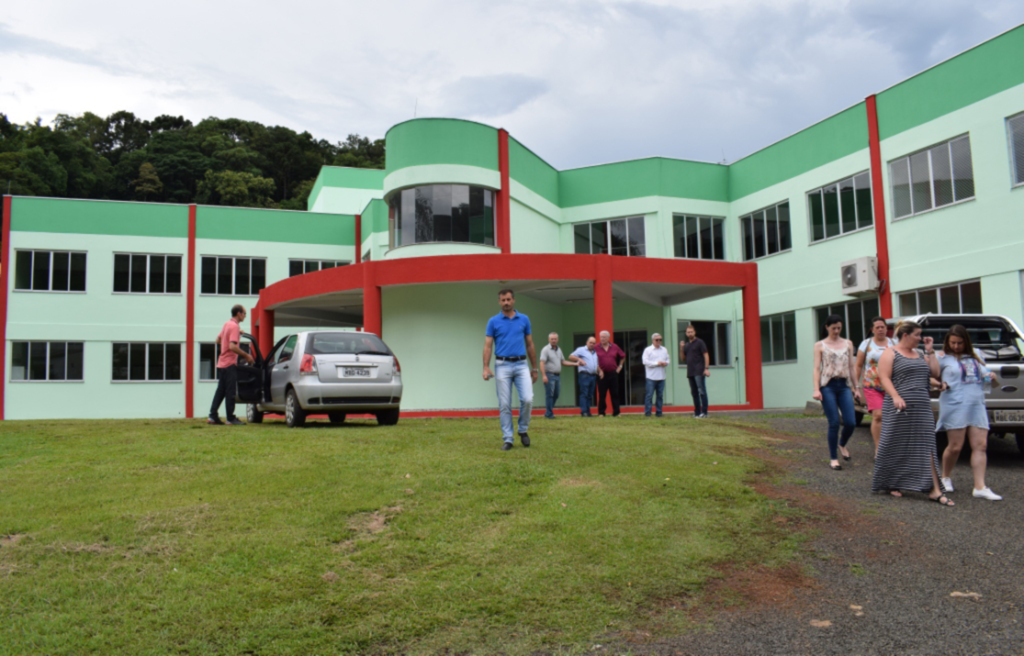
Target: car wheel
point(858, 417)
point(294, 415)
point(253, 414)
point(387, 417)
point(336, 417)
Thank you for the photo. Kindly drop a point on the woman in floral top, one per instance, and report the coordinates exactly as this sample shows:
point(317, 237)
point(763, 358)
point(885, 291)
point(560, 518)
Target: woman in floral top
point(871, 349)
point(834, 387)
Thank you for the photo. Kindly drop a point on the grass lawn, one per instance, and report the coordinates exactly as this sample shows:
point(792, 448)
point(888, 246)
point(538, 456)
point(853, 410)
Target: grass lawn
point(172, 536)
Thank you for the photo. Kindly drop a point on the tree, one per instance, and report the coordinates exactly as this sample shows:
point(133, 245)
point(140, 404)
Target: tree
point(235, 188)
point(148, 183)
point(360, 152)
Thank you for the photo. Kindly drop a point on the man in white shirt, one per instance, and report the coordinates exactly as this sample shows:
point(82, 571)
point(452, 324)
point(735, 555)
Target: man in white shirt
point(655, 360)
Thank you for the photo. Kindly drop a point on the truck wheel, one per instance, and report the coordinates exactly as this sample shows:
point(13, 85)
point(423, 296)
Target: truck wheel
point(294, 415)
point(387, 417)
point(253, 414)
point(336, 417)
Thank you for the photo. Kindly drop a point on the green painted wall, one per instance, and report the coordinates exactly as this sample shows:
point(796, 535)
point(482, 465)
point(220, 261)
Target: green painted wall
point(230, 223)
point(532, 172)
point(441, 141)
point(346, 177)
point(91, 217)
point(655, 176)
point(533, 232)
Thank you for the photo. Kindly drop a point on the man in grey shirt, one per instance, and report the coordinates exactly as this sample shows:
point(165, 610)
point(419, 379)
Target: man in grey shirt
point(551, 361)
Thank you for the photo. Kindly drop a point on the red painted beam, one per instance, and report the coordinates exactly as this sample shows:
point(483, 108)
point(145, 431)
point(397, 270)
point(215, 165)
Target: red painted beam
point(190, 314)
point(503, 202)
point(5, 267)
point(266, 323)
point(604, 312)
point(359, 238)
point(878, 196)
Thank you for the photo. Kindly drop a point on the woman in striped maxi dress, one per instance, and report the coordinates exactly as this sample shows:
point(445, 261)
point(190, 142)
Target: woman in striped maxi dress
point(906, 458)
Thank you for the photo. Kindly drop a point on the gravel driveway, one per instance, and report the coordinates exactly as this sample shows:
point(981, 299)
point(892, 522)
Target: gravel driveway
point(881, 573)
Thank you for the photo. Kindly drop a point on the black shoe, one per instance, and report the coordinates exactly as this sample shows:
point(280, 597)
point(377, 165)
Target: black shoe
point(506, 446)
point(525, 439)
point(214, 420)
point(235, 421)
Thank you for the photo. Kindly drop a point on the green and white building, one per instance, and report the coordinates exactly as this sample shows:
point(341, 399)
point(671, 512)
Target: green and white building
point(909, 202)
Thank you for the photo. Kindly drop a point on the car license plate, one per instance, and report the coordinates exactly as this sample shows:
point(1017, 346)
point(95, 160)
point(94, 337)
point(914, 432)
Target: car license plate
point(356, 372)
point(1008, 416)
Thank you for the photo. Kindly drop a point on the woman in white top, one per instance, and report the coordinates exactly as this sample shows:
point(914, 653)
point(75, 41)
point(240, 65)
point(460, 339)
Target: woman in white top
point(834, 387)
point(871, 349)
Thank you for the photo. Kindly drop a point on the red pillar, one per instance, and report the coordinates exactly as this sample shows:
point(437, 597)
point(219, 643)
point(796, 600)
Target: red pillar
point(372, 322)
point(878, 196)
point(752, 343)
point(190, 314)
point(502, 211)
point(604, 315)
point(266, 330)
point(359, 238)
point(5, 266)
point(254, 326)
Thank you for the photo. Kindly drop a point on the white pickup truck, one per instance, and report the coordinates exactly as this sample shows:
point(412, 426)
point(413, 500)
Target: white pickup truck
point(1001, 343)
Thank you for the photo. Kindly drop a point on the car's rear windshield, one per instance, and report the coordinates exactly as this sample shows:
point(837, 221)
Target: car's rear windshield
point(332, 343)
point(994, 338)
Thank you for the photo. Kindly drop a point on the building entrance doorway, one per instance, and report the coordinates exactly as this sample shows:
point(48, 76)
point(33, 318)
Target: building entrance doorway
point(633, 377)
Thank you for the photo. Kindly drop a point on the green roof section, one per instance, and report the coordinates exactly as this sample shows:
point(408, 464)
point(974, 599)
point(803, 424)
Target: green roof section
point(426, 141)
point(532, 172)
point(654, 176)
point(347, 178)
point(244, 223)
point(66, 215)
point(837, 136)
point(374, 218)
point(985, 70)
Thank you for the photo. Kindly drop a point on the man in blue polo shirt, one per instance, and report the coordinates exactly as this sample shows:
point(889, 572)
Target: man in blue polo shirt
point(509, 334)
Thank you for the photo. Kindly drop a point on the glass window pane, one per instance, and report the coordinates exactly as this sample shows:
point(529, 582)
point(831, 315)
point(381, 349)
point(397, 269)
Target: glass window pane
point(41, 271)
point(817, 214)
point(76, 360)
point(789, 328)
point(207, 361)
point(156, 362)
point(847, 206)
point(173, 274)
point(172, 355)
point(784, 237)
point(928, 301)
point(209, 276)
point(581, 238)
point(766, 339)
point(138, 276)
point(692, 240)
point(406, 218)
point(61, 270)
point(460, 213)
point(759, 234)
point(156, 274)
point(1016, 128)
point(58, 360)
point(949, 299)
point(37, 360)
point(19, 361)
point(77, 272)
point(963, 169)
point(942, 175)
point(617, 232)
point(778, 341)
point(137, 361)
point(772, 229)
point(242, 265)
point(970, 297)
point(599, 238)
point(259, 276)
point(748, 238)
point(855, 323)
point(820, 314)
point(442, 212)
point(637, 243)
point(122, 266)
point(424, 214)
point(310, 266)
point(23, 270)
point(908, 304)
point(119, 365)
point(706, 248)
point(679, 235)
point(295, 268)
point(722, 344)
point(224, 275)
point(830, 198)
point(899, 177)
point(870, 312)
point(865, 212)
point(920, 182)
point(718, 237)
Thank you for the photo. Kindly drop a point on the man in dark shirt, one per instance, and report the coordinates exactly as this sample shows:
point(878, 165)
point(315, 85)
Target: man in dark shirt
point(694, 352)
point(610, 359)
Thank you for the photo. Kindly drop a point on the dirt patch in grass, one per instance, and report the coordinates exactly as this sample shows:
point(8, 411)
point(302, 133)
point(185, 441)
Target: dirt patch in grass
point(11, 540)
point(366, 527)
point(578, 482)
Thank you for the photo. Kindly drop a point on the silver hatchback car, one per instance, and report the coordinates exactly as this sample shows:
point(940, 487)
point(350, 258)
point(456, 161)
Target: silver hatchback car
point(330, 372)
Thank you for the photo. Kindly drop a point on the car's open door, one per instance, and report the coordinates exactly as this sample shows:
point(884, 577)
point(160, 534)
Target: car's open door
point(250, 376)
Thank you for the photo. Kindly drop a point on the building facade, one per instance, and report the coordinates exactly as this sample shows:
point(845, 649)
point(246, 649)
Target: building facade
point(110, 309)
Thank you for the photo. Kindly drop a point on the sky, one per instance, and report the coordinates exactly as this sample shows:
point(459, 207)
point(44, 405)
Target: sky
point(579, 83)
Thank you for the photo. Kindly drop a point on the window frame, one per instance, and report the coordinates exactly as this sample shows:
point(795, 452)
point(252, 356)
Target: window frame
point(1016, 175)
point(681, 325)
point(320, 264)
point(782, 315)
point(50, 289)
point(938, 297)
point(764, 211)
point(853, 182)
point(395, 229)
point(234, 273)
point(244, 345)
point(931, 178)
point(149, 258)
point(28, 366)
point(715, 221)
point(865, 318)
point(608, 234)
point(145, 364)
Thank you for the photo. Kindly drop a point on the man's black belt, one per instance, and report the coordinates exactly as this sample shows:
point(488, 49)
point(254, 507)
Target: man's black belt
point(514, 358)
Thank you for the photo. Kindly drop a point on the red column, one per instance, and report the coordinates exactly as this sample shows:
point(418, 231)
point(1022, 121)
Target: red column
point(190, 313)
point(254, 326)
point(5, 266)
point(372, 322)
point(359, 238)
point(604, 315)
point(266, 336)
point(752, 343)
point(878, 196)
point(502, 211)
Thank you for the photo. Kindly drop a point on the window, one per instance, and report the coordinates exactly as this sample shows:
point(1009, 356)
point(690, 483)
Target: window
point(208, 355)
point(960, 298)
point(856, 317)
point(934, 177)
point(1015, 130)
point(778, 338)
point(147, 274)
point(841, 207)
point(234, 276)
point(698, 237)
point(299, 267)
point(49, 271)
point(766, 231)
point(442, 213)
point(136, 361)
point(716, 337)
point(615, 237)
point(53, 361)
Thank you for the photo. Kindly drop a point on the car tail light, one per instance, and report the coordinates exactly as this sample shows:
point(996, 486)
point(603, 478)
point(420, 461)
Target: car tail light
point(398, 367)
point(308, 366)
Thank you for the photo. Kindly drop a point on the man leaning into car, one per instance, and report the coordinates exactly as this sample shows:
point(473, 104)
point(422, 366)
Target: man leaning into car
point(227, 368)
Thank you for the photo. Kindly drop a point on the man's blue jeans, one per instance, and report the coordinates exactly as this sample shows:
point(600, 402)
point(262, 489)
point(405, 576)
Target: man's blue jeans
point(505, 375)
point(699, 391)
point(654, 386)
point(837, 397)
point(588, 382)
point(552, 389)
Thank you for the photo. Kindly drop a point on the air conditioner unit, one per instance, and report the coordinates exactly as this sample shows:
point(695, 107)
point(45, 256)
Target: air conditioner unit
point(859, 276)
